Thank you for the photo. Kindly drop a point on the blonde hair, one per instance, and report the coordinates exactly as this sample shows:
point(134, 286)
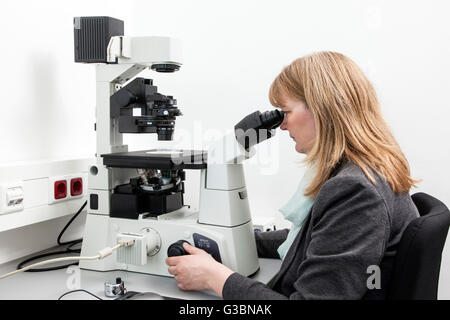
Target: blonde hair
point(349, 124)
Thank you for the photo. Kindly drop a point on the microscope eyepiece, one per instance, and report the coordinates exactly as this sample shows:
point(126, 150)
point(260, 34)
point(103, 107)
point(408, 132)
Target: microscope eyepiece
point(272, 119)
point(257, 127)
point(257, 120)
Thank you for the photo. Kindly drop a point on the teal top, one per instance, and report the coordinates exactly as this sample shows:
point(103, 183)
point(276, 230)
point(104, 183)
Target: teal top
point(296, 210)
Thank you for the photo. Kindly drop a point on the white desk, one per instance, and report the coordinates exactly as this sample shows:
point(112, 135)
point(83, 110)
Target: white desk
point(51, 285)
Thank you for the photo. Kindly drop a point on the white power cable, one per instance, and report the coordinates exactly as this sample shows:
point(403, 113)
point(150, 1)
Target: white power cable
point(101, 254)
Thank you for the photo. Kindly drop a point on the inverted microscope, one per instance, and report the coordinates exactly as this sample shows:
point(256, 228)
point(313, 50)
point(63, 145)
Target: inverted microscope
point(138, 196)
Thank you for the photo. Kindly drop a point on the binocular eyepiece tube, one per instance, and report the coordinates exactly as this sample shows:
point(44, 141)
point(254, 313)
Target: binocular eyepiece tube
point(257, 127)
point(272, 119)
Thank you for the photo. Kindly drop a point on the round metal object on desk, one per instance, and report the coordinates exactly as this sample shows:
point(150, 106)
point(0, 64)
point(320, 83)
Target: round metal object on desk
point(113, 290)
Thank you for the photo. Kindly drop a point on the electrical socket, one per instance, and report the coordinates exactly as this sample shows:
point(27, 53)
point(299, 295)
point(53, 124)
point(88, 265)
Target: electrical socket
point(11, 197)
point(63, 188)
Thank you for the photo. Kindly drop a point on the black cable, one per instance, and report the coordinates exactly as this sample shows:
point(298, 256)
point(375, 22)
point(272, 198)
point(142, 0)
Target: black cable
point(68, 249)
point(67, 225)
point(78, 290)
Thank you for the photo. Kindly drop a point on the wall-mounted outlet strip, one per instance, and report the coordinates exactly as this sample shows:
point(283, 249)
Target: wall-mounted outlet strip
point(67, 187)
point(32, 192)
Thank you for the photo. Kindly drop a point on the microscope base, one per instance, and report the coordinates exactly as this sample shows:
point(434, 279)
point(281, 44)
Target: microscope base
point(235, 247)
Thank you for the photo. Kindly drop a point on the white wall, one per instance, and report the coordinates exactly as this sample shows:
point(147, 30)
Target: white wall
point(232, 52)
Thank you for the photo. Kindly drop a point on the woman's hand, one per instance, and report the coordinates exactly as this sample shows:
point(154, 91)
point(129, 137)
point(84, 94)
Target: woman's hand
point(198, 270)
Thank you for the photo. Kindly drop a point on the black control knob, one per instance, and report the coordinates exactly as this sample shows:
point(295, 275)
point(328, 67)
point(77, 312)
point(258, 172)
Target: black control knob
point(176, 249)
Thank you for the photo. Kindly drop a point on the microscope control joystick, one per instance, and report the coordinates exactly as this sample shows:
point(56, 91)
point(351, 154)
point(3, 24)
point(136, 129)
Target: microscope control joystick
point(176, 249)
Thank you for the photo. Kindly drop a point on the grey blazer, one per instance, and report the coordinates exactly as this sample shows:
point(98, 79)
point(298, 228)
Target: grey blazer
point(352, 226)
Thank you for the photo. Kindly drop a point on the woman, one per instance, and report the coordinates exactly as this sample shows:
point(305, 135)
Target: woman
point(353, 204)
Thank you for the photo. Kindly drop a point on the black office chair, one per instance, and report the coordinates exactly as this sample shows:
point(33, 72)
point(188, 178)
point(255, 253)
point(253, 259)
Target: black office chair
point(418, 261)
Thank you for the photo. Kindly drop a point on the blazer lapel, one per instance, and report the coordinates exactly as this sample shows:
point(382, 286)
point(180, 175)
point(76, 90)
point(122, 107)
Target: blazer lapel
point(296, 247)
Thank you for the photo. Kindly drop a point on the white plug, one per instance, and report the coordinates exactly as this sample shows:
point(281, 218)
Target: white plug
point(138, 247)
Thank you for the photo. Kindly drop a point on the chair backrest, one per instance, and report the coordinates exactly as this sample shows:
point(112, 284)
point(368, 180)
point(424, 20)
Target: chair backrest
point(418, 260)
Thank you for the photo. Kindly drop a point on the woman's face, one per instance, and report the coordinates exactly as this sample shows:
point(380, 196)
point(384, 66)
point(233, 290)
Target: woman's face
point(299, 121)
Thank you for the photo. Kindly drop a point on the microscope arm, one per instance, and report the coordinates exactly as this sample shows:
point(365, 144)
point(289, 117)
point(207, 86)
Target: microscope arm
point(227, 150)
point(223, 198)
point(149, 51)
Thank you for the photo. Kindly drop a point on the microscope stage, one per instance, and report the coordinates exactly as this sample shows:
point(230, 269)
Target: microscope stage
point(157, 159)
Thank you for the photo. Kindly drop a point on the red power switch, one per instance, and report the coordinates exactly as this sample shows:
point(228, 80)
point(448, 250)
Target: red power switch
point(76, 187)
point(60, 189)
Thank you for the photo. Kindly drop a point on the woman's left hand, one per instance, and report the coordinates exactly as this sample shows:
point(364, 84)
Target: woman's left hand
point(198, 270)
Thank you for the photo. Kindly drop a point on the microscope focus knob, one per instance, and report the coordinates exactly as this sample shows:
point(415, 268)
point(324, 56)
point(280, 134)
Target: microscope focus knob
point(176, 249)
